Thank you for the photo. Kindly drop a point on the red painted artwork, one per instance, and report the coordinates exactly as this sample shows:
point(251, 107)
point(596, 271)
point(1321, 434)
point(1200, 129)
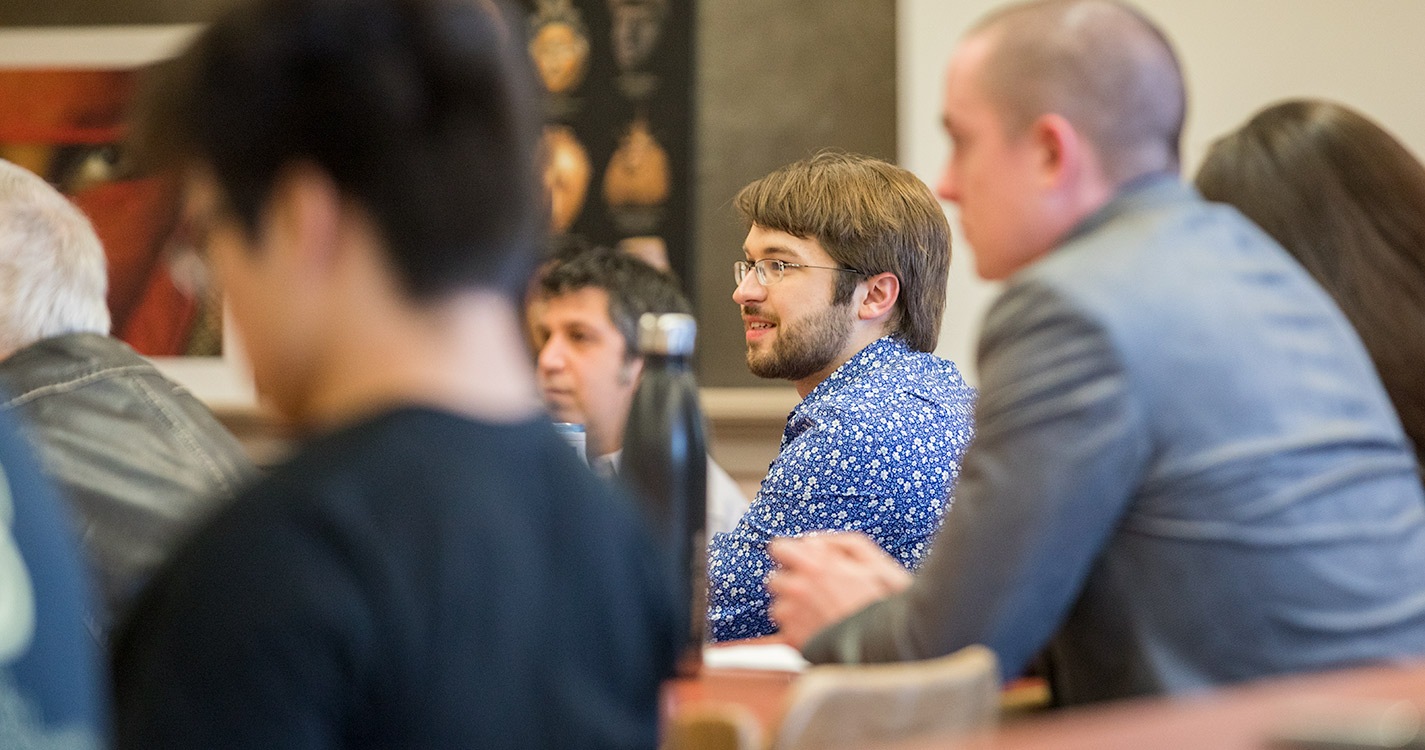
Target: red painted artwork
point(67, 125)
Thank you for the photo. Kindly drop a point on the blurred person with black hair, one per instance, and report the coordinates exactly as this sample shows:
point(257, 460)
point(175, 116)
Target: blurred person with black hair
point(433, 568)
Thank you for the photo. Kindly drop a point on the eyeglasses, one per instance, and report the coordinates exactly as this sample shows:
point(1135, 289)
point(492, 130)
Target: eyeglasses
point(770, 270)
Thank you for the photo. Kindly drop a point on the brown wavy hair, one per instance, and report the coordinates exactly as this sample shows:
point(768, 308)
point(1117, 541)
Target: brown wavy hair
point(870, 216)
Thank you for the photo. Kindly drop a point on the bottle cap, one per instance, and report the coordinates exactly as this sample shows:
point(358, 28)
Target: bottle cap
point(573, 433)
point(669, 334)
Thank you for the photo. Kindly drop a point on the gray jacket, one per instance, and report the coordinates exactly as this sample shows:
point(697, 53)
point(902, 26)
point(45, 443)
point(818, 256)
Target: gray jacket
point(138, 457)
point(1186, 473)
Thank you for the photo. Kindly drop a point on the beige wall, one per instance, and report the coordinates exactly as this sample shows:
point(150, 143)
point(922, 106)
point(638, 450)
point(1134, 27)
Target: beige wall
point(1238, 56)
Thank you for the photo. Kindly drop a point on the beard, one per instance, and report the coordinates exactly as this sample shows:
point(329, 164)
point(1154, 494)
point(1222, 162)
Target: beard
point(804, 348)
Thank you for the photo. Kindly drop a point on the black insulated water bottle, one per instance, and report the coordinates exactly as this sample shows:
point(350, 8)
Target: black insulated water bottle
point(665, 462)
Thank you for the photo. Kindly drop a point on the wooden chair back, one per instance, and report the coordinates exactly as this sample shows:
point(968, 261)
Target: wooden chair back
point(837, 706)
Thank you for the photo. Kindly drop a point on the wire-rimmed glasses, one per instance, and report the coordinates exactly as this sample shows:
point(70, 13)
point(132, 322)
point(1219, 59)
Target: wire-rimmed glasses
point(771, 270)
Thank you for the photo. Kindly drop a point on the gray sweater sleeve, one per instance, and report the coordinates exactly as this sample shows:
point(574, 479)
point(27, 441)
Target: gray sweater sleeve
point(1060, 447)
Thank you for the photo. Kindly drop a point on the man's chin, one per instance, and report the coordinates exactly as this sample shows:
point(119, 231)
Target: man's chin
point(763, 365)
point(774, 365)
point(562, 413)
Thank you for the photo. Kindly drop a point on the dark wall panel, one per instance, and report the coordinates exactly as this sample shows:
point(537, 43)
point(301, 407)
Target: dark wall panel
point(777, 80)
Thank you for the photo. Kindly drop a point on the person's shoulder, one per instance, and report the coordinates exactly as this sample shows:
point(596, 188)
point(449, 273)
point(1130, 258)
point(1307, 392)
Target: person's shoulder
point(902, 379)
point(1097, 281)
point(380, 483)
point(894, 416)
point(64, 364)
point(75, 376)
point(927, 370)
point(262, 551)
point(245, 525)
point(416, 460)
point(337, 470)
point(1149, 248)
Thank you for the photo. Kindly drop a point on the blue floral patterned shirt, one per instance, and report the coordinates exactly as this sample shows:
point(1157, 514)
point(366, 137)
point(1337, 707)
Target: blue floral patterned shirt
point(873, 448)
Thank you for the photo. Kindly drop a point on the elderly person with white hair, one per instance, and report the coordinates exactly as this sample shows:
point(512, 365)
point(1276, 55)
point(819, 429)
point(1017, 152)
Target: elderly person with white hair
point(138, 458)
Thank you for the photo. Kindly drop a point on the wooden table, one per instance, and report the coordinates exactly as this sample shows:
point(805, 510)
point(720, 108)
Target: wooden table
point(764, 693)
point(1246, 717)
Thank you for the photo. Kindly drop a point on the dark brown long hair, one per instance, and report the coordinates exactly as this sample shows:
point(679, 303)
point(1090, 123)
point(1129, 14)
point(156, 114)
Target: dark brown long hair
point(1348, 200)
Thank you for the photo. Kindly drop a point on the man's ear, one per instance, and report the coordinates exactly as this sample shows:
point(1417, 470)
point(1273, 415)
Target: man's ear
point(306, 209)
point(1060, 148)
point(1069, 169)
point(882, 291)
point(630, 371)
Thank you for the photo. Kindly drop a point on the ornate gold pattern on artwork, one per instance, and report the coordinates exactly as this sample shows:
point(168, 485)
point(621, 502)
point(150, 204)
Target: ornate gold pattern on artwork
point(559, 44)
point(567, 172)
point(637, 180)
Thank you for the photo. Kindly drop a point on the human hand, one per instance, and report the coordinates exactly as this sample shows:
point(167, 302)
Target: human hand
point(826, 577)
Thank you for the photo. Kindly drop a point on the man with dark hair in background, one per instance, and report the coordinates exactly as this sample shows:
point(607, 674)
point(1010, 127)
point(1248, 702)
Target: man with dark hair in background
point(1186, 472)
point(584, 321)
point(433, 568)
point(138, 458)
point(842, 289)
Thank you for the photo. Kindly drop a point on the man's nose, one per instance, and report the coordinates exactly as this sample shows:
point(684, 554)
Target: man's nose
point(749, 289)
point(948, 188)
point(551, 356)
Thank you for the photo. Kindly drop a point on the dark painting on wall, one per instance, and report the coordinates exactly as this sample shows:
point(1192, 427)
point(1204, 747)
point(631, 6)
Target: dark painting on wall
point(617, 143)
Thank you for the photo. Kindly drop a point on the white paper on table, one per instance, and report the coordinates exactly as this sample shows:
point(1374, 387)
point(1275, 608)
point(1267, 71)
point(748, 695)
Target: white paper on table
point(774, 656)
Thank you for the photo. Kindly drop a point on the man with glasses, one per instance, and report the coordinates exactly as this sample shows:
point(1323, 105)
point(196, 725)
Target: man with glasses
point(842, 291)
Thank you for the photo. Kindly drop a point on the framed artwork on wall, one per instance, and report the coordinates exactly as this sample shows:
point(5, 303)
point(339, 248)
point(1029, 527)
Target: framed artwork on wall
point(618, 143)
point(64, 95)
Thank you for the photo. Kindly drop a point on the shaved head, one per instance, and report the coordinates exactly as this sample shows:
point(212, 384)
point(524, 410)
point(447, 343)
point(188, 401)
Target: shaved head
point(1099, 64)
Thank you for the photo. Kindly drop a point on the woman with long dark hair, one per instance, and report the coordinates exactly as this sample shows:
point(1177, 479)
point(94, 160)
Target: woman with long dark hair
point(1348, 200)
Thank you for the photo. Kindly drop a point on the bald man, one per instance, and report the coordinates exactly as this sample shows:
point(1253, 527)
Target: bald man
point(1186, 472)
